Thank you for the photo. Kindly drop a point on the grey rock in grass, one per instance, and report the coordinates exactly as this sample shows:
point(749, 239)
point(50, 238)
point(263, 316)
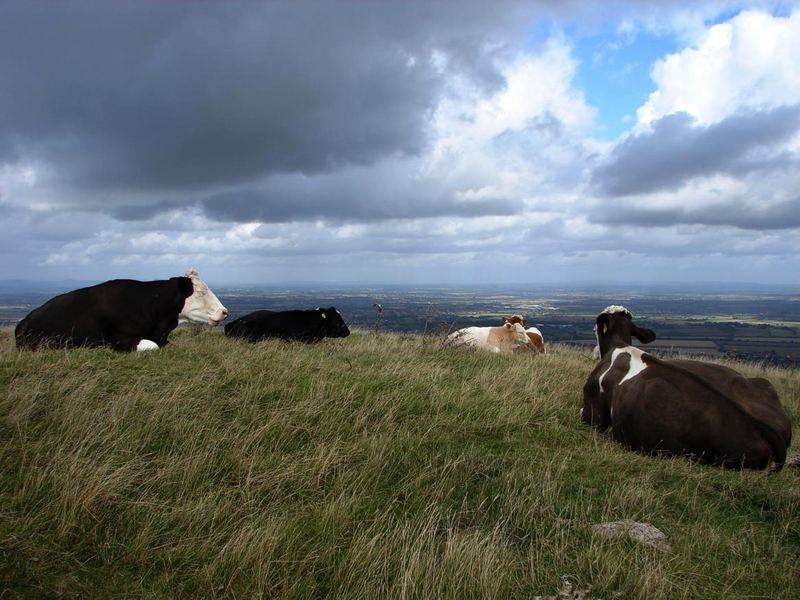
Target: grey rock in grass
point(643, 533)
point(792, 461)
point(568, 591)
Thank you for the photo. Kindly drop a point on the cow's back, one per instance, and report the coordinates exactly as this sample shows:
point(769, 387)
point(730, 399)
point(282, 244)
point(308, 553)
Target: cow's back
point(70, 319)
point(754, 396)
point(252, 326)
point(115, 313)
point(470, 336)
point(509, 337)
point(677, 409)
point(300, 325)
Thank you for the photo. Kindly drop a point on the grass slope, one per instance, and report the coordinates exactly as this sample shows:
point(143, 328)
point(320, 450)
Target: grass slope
point(373, 467)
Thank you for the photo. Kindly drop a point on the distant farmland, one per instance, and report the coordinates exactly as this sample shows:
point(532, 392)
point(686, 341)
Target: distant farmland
point(755, 327)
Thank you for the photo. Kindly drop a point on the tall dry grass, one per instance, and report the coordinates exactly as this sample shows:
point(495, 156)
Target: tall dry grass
point(372, 467)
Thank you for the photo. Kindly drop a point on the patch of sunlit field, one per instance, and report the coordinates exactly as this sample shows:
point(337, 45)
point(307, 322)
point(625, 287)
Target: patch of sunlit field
point(378, 466)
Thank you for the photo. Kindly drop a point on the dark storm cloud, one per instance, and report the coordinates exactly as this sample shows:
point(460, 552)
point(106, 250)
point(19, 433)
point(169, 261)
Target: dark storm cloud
point(348, 197)
point(781, 215)
point(677, 150)
point(147, 96)
point(143, 212)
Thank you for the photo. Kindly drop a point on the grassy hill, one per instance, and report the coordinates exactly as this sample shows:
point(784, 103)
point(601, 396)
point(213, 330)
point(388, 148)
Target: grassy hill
point(372, 467)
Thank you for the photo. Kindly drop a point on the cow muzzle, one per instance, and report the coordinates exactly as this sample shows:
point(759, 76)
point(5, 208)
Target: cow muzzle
point(214, 321)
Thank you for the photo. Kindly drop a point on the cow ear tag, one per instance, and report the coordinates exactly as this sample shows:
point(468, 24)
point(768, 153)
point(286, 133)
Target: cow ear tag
point(324, 316)
point(605, 327)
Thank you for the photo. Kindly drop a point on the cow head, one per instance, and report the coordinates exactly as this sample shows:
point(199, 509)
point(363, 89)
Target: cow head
point(510, 337)
point(519, 337)
point(334, 324)
point(614, 328)
point(201, 305)
point(515, 319)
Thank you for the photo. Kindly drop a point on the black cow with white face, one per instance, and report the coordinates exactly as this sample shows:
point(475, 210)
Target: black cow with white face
point(302, 325)
point(681, 407)
point(122, 314)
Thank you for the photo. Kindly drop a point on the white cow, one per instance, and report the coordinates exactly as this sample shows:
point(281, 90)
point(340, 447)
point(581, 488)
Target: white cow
point(510, 337)
point(535, 337)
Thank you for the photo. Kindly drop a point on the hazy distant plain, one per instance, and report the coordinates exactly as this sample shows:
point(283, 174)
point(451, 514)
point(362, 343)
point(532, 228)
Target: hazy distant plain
point(760, 325)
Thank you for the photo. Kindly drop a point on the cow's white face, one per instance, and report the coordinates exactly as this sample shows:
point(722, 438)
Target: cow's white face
point(520, 337)
point(202, 306)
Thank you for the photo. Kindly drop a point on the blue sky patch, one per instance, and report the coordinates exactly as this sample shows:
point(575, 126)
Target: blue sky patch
point(614, 74)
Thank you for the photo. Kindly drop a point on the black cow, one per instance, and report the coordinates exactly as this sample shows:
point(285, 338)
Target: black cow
point(120, 314)
point(302, 325)
point(681, 407)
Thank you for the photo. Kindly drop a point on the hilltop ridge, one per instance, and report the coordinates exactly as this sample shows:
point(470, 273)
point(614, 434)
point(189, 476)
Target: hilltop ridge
point(374, 466)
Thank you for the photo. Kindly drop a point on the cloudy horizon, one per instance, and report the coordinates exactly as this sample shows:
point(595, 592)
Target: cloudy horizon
point(410, 143)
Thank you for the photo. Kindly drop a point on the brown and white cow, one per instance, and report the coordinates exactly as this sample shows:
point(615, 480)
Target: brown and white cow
point(680, 407)
point(534, 335)
point(510, 337)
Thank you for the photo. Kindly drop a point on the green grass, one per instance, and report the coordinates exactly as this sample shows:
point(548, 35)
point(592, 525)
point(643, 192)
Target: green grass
point(373, 467)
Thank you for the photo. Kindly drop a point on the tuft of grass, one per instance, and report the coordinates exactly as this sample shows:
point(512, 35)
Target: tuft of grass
point(379, 466)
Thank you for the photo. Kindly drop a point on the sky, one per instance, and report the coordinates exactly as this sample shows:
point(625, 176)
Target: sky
point(413, 142)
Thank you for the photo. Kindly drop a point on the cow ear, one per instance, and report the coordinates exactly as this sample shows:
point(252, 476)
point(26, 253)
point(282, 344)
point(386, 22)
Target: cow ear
point(185, 286)
point(602, 323)
point(643, 334)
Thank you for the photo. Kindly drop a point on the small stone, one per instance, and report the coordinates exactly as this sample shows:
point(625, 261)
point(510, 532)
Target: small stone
point(568, 591)
point(643, 533)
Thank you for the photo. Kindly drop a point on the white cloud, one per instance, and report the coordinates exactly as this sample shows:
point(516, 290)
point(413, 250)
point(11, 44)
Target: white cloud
point(749, 62)
point(537, 86)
